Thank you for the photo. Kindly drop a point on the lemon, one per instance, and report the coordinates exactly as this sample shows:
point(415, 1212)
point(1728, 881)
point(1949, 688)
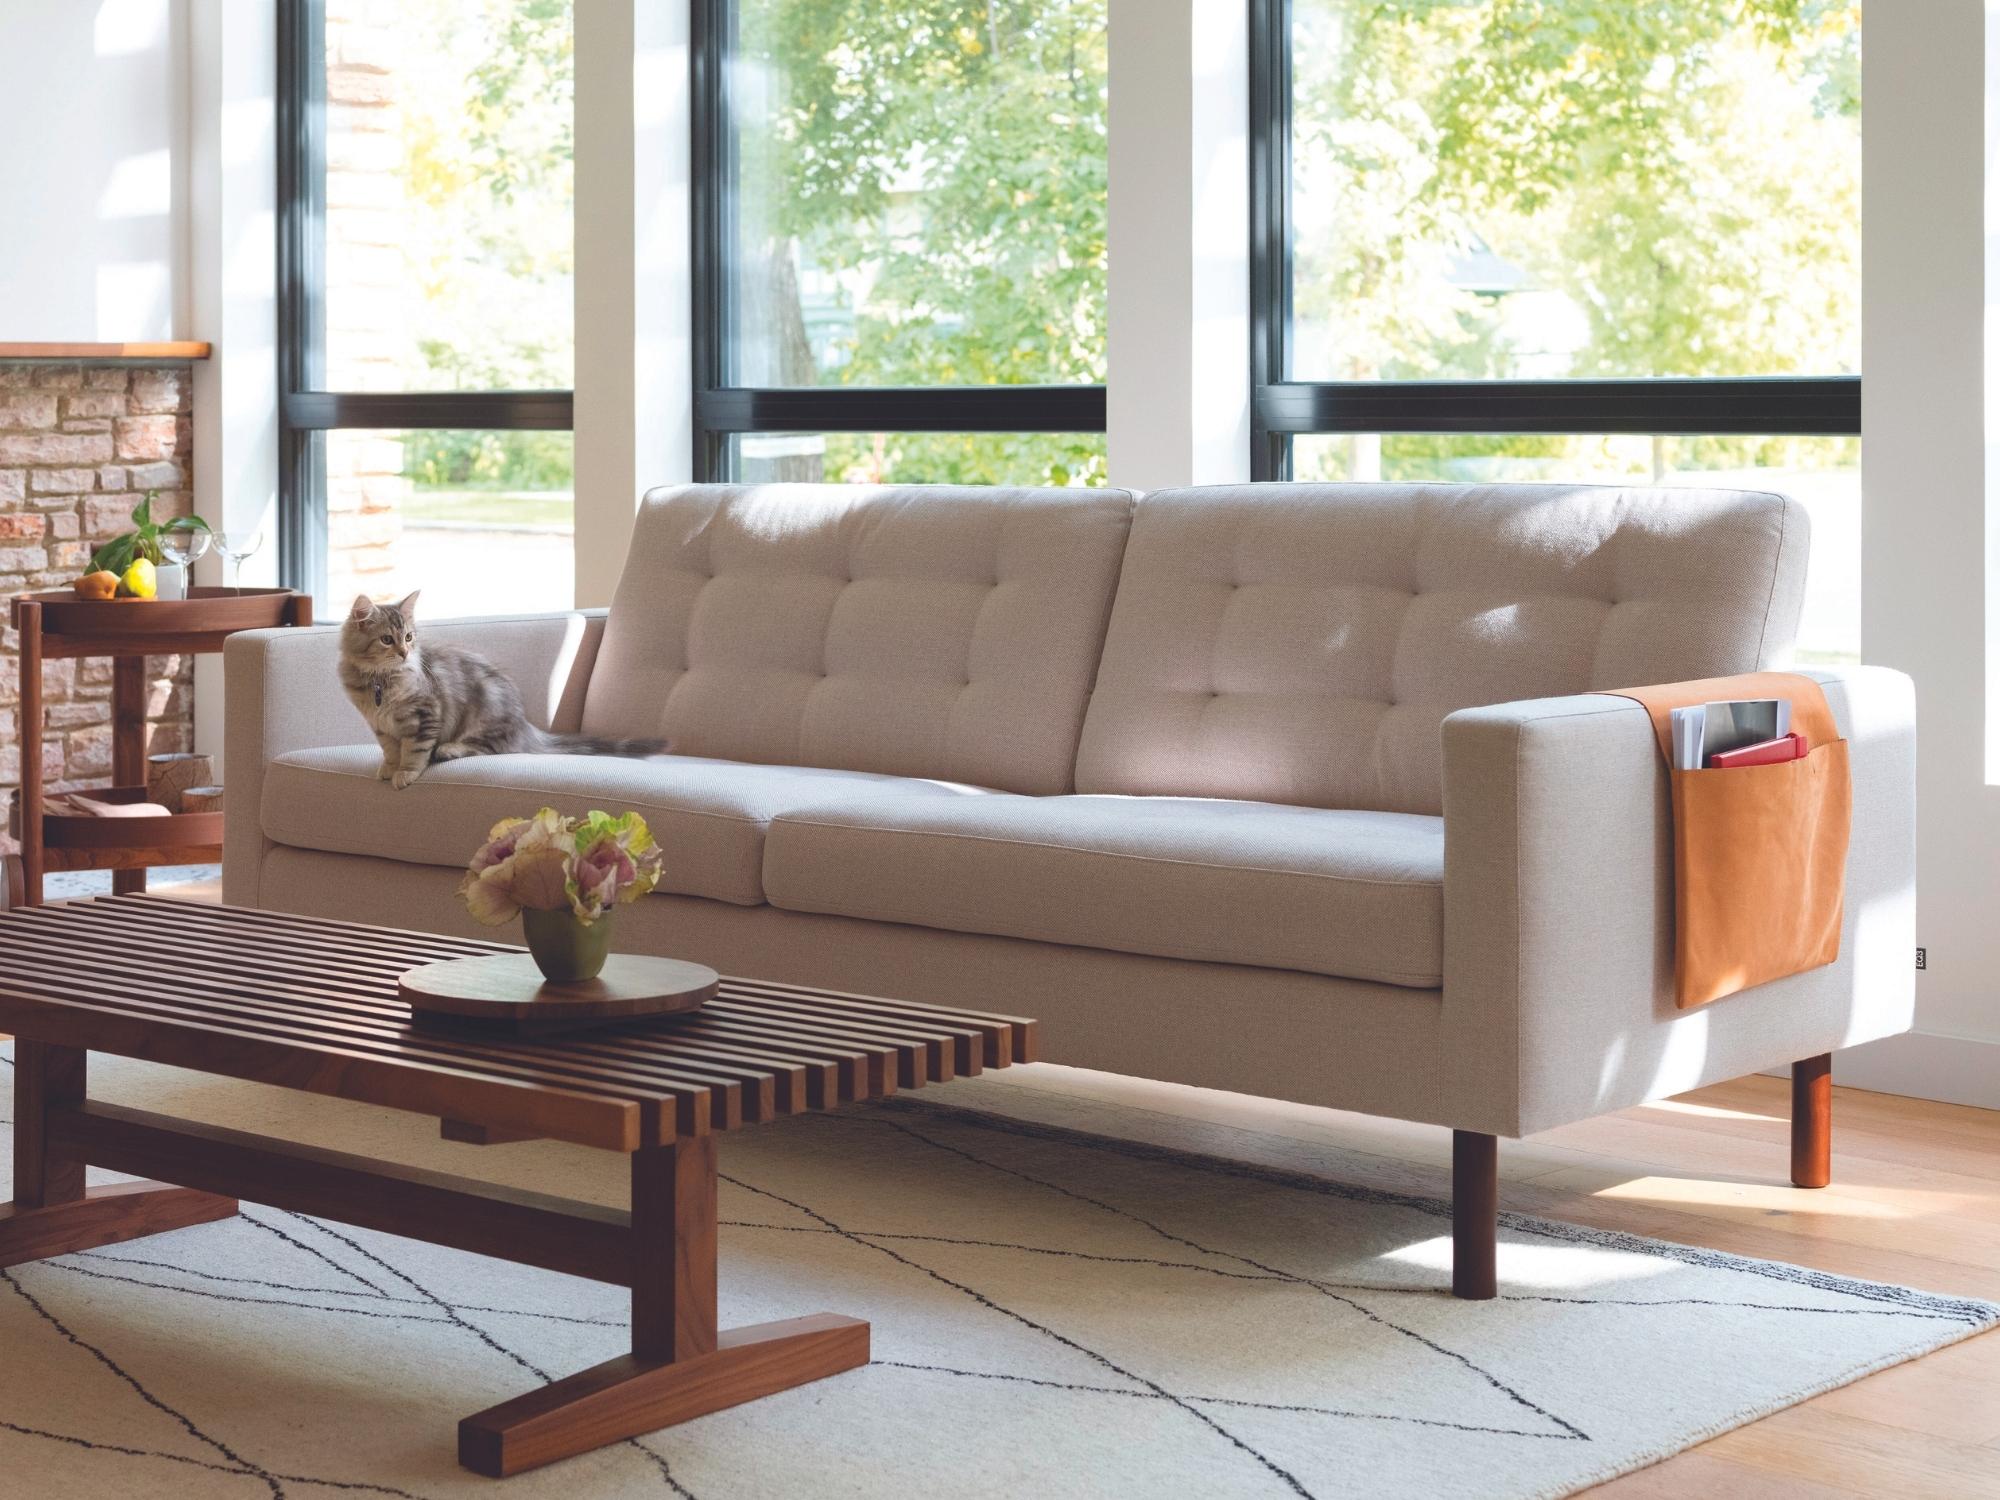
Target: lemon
point(140, 581)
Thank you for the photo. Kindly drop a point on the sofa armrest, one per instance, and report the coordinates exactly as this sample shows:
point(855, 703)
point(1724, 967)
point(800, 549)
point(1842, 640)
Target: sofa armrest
point(282, 695)
point(1558, 992)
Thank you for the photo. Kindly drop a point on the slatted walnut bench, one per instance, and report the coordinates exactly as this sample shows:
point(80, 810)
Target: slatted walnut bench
point(313, 1005)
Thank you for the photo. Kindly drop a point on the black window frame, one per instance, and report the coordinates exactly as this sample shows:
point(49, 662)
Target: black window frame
point(722, 409)
point(1283, 408)
point(305, 406)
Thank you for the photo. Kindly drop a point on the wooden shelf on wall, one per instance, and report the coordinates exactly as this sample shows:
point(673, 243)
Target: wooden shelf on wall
point(185, 349)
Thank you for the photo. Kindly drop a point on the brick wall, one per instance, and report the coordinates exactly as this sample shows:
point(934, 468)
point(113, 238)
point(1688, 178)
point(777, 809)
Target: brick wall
point(79, 447)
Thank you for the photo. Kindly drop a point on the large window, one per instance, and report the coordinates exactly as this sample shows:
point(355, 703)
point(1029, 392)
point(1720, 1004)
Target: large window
point(425, 254)
point(899, 248)
point(1565, 239)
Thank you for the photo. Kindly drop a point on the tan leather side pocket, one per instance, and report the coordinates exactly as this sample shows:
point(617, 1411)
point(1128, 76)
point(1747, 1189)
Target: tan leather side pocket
point(1760, 854)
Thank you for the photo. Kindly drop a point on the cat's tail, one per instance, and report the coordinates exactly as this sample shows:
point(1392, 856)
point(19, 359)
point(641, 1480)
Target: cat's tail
point(597, 744)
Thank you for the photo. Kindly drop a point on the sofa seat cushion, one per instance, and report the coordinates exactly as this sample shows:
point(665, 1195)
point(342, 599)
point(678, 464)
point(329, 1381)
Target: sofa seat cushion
point(710, 816)
point(1357, 895)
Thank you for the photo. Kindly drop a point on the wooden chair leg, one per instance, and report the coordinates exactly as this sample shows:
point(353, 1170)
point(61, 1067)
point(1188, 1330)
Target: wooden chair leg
point(1475, 1214)
point(128, 747)
point(1812, 1121)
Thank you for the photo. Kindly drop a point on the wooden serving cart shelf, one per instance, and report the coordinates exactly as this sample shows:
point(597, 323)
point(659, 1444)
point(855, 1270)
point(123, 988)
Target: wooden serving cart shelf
point(59, 625)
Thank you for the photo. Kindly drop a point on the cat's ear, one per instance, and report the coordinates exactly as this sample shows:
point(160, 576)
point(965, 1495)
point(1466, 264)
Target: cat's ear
point(363, 607)
point(408, 606)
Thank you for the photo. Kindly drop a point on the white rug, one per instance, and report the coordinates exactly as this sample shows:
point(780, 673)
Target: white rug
point(1054, 1315)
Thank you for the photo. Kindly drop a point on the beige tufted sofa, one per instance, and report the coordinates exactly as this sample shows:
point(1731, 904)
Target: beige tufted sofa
point(1289, 790)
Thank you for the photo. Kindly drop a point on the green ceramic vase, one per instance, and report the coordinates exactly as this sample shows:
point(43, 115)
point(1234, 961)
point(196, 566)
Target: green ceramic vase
point(565, 950)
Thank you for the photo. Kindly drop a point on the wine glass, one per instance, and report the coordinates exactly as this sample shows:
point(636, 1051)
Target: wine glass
point(182, 546)
point(239, 547)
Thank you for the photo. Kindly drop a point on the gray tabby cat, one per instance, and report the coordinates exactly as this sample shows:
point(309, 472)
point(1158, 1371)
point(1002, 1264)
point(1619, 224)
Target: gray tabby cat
point(435, 703)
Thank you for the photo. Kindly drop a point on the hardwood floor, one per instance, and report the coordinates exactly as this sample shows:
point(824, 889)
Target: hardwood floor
point(1915, 1199)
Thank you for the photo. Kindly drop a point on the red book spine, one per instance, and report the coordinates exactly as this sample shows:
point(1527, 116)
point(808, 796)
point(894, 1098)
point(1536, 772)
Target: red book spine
point(1765, 753)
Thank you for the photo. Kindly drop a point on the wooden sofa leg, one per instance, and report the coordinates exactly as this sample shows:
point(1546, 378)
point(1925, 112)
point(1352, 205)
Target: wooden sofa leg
point(1812, 1121)
point(1475, 1214)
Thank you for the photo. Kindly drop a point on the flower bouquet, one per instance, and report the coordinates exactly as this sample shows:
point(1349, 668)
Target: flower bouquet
point(563, 877)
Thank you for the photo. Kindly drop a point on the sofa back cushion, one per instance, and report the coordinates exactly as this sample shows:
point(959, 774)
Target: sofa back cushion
point(938, 632)
point(1304, 643)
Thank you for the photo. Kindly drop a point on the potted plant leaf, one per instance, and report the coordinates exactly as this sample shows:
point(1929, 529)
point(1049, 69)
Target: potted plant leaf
point(126, 564)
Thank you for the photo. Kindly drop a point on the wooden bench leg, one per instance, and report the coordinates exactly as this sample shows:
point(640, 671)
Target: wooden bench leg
point(1812, 1121)
point(104, 1216)
point(1475, 1214)
point(679, 1367)
point(673, 1250)
point(52, 1212)
point(46, 1079)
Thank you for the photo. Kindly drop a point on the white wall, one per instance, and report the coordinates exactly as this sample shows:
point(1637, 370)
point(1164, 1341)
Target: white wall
point(1178, 397)
point(231, 273)
point(634, 307)
point(1924, 480)
point(93, 173)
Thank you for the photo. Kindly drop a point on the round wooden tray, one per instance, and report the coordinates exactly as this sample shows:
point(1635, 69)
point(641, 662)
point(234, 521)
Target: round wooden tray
point(63, 613)
point(505, 991)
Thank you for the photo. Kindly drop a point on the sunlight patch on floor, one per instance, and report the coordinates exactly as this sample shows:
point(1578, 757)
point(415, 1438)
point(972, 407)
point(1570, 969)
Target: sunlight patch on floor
point(1546, 1268)
point(1851, 1203)
point(1706, 1111)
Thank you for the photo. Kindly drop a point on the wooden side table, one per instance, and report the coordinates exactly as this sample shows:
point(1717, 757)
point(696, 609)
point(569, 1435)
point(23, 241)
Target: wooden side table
point(58, 625)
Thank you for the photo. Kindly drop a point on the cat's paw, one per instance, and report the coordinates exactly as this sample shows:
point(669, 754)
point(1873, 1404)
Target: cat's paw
point(404, 779)
point(384, 771)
